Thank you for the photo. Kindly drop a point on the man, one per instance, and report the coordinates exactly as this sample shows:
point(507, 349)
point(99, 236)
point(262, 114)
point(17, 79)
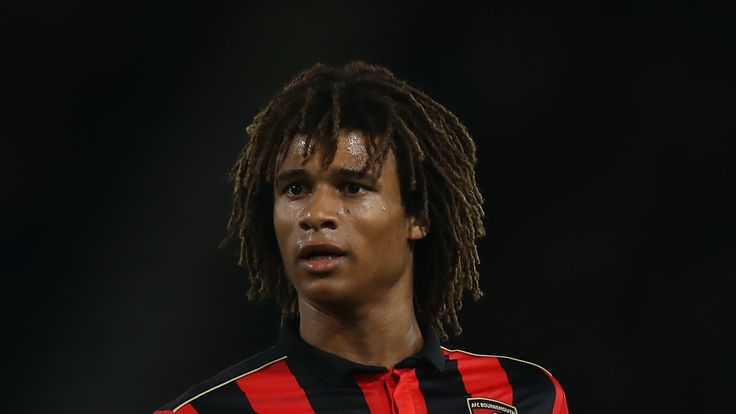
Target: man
point(356, 208)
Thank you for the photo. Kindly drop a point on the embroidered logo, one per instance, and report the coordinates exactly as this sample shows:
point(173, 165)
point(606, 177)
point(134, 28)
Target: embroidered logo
point(487, 406)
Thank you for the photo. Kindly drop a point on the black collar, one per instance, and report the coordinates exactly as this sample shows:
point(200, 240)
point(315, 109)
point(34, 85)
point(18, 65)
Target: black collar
point(337, 370)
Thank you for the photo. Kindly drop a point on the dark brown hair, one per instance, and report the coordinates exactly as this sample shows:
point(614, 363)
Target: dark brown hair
point(435, 157)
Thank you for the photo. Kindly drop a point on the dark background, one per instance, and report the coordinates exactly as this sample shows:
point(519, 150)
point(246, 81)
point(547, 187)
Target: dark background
point(603, 137)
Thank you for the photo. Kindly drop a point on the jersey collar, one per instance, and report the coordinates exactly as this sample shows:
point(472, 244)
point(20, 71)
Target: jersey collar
point(305, 357)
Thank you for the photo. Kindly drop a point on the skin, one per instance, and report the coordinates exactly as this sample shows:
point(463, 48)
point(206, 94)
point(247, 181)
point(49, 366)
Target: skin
point(362, 310)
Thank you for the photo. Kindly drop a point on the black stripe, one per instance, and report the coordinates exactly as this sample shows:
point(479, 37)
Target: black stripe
point(534, 391)
point(329, 398)
point(444, 391)
point(228, 399)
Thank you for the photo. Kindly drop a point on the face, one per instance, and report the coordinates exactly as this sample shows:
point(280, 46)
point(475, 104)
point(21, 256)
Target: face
point(344, 235)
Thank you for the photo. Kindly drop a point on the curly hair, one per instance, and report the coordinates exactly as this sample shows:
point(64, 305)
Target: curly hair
point(435, 157)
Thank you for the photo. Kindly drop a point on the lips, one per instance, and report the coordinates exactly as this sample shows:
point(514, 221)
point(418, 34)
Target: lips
point(321, 257)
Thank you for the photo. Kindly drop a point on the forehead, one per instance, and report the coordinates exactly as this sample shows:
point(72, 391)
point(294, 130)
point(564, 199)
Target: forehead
point(350, 150)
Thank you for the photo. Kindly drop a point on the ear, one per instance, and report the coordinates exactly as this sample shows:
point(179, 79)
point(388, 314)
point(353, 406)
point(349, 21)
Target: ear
point(418, 228)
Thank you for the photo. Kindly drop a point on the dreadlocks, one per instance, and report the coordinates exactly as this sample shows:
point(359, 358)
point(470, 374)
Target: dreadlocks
point(435, 157)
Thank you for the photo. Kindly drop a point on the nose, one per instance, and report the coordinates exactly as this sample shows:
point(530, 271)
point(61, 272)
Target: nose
point(320, 211)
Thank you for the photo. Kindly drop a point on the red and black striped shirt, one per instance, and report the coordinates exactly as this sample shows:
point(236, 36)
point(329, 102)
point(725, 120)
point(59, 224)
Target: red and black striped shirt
point(294, 377)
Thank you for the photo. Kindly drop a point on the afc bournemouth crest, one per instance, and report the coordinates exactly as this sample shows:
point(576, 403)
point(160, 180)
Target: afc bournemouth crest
point(488, 406)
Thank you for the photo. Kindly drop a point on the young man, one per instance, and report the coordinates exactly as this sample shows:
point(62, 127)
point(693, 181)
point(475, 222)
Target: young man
point(356, 208)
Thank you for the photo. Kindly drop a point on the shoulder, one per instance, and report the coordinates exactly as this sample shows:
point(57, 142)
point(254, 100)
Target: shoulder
point(223, 382)
point(530, 384)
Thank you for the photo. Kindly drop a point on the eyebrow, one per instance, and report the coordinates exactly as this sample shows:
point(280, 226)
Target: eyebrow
point(341, 173)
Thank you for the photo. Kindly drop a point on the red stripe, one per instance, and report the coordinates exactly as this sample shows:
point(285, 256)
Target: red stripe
point(185, 409)
point(483, 376)
point(408, 396)
point(274, 390)
point(396, 391)
point(560, 406)
point(374, 392)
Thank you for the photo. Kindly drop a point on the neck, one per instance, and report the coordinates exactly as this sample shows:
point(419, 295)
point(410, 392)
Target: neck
point(381, 336)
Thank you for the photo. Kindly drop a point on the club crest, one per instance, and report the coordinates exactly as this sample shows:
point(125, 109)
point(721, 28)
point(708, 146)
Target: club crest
point(488, 406)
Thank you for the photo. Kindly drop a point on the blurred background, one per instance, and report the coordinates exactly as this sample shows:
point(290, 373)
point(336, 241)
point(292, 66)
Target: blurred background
point(603, 135)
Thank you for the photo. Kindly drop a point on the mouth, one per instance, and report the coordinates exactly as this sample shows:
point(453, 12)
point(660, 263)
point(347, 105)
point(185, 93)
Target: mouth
point(321, 258)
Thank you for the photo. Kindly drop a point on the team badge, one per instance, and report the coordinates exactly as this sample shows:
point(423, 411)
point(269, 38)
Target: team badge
point(488, 406)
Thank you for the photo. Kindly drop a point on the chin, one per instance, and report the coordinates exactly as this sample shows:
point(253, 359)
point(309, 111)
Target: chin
point(330, 294)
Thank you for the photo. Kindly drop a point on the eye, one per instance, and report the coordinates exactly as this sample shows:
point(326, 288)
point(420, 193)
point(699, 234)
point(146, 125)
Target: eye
point(295, 189)
point(354, 188)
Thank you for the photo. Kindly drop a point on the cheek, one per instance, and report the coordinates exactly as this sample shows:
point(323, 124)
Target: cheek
point(283, 222)
point(382, 225)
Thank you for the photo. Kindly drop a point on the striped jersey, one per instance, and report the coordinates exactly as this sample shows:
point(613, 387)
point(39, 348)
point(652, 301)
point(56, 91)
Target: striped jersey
point(293, 377)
